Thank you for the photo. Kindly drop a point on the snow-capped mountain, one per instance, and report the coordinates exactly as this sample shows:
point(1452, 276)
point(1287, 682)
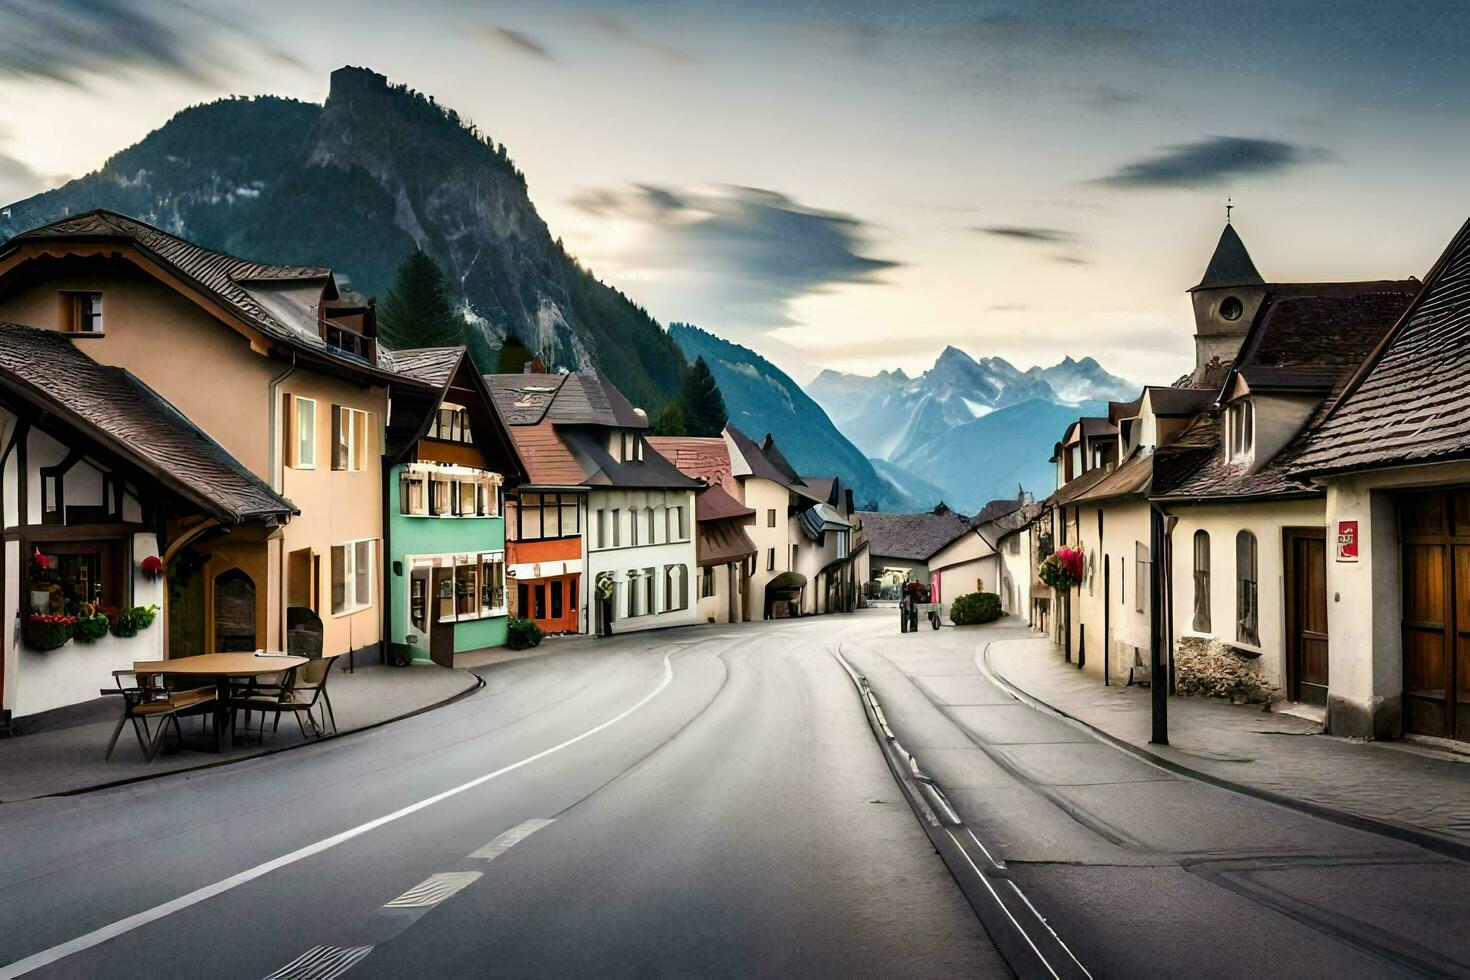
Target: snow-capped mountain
point(912, 421)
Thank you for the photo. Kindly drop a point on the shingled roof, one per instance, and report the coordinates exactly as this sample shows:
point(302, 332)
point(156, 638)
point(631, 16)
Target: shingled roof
point(1313, 335)
point(705, 458)
point(1407, 402)
point(578, 398)
point(912, 537)
point(114, 409)
point(265, 297)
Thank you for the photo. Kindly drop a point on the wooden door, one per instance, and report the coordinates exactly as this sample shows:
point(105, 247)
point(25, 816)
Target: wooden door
point(1436, 624)
point(441, 623)
point(1306, 639)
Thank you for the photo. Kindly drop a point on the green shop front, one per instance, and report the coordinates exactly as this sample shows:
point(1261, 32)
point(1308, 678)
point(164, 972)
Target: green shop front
point(449, 458)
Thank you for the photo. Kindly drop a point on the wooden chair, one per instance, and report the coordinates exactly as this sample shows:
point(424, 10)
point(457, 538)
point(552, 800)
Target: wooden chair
point(298, 694)
point(147, 698)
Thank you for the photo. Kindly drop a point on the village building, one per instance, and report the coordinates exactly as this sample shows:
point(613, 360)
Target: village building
point(969, 562)
point(1394, 456)
point(105, 484)
point(447, 460)
point(1247, 543)
point(724, 550)
point(598, 507)
point(1017, 565)
point(900, 546)
point(296, 394)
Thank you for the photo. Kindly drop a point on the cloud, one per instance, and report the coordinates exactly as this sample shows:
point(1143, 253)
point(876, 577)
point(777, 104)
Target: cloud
point(1028, 233)
point(1213, 160)
point(1071, 260)
point(516, 41)
point(1007, 307)
point(68, 41)
point(748, 251)
point(614, 26)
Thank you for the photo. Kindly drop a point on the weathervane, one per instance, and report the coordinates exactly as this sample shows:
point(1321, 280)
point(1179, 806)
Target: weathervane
point(1228, 206)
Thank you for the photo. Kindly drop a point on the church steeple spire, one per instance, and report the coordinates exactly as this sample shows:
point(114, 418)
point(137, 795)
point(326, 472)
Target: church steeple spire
point(1231, 264)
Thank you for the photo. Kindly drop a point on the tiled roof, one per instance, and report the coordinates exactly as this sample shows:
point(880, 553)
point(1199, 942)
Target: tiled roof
point(1407, 403)
point(1177, 402)
point(702, 457)
point(548, 461)
point(914, 537)
point(258, 293)
point(994, 530)
point(1193, 467)
point(1076, 487)
point(110, 406)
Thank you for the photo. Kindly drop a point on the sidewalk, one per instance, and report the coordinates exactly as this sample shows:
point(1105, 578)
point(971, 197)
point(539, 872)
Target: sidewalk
point(1416, 794)
point(69, 760)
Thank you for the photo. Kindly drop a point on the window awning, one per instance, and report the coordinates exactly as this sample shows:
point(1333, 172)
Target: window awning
point(722, 543)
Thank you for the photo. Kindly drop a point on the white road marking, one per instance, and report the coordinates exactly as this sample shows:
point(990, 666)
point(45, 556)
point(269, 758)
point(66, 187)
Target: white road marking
point(98, 936)
point(510, 838)
point(321, 963)
point(433, 890)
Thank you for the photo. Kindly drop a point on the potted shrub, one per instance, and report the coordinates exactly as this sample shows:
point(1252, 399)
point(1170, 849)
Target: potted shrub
point(47, 631)
point(522, 634)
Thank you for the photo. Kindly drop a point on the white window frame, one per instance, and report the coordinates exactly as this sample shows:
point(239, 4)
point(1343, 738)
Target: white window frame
point(350, 563)
point(1241, 430)
point(300, 410)
point(356, 456)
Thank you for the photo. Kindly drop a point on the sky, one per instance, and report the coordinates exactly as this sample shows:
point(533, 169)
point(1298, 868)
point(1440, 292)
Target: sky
point(855, 185)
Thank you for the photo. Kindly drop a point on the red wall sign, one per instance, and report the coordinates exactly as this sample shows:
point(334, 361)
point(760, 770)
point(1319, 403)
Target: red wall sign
point(1347, 540)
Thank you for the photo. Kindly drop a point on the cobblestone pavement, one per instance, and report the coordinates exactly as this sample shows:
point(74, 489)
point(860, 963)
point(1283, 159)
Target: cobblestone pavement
point(1422, 791)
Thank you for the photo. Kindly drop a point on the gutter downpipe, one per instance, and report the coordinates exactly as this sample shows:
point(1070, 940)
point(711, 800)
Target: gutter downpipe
point(276, 460)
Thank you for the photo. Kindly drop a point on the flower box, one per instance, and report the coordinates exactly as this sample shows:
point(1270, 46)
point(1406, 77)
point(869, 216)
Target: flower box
point(48, 632)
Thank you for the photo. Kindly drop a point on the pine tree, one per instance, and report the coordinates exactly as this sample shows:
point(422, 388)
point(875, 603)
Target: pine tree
point(670, 421)
point(703, 405)
point(417, 311)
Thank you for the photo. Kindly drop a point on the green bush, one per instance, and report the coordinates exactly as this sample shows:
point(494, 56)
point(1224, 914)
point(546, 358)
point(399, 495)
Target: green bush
point(974, 608)
point(522, 634)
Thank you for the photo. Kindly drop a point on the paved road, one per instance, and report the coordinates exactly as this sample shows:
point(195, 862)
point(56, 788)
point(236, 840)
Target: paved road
point(1146, 873)
point(708, 801)
point(738, 821)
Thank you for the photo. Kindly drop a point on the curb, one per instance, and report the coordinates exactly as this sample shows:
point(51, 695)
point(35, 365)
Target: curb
point(219, 763)
point(1427, 839)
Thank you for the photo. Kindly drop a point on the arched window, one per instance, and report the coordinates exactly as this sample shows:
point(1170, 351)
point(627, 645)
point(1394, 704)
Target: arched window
point(1247, 613)
point(1201, 582)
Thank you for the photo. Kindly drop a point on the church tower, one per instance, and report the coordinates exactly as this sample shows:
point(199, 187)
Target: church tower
point(1225, 302)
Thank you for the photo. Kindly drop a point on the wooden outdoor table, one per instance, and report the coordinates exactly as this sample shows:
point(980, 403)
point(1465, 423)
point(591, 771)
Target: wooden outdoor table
point(221, 667)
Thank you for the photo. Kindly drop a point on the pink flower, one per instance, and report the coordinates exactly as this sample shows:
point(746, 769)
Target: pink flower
point(40, 560)
point(1071, 559)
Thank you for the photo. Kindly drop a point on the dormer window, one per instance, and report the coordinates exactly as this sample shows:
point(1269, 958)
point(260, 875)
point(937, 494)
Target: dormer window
point(632, 448)
point(1240, 425)
point(81, 313)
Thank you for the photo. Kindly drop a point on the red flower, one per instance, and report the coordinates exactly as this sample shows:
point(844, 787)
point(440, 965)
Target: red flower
point(1071, 559)
point(52, 619)
point(152, 566)
point(40, 560)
